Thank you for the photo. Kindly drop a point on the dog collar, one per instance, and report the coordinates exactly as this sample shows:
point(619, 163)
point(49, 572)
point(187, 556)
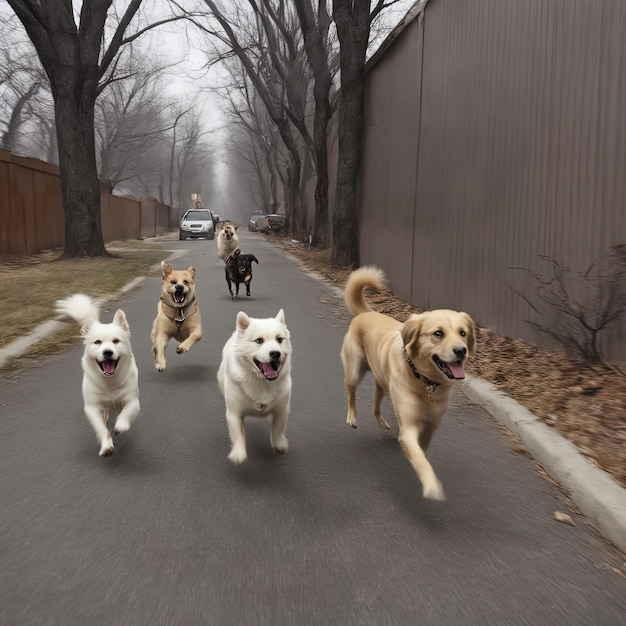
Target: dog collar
point(430, 385)
point(181, 309)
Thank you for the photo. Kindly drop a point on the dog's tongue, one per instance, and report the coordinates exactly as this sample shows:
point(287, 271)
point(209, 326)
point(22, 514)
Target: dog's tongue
point(456, 367)
point(269, 370)
point(179, 297)
point(108, 367)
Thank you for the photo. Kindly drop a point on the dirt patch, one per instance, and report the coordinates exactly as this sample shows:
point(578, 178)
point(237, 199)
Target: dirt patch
point(585, 403)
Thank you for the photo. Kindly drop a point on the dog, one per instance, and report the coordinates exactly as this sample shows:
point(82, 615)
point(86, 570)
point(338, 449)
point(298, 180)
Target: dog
point(227, 240)
point(110, 375)
point(415, 363)
point(254, 377)
point(239, 270)
point(178, 314)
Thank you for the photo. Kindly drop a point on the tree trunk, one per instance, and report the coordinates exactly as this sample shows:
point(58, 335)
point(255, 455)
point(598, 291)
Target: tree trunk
point(315, 33)
point(79, 175)
point(353, 31)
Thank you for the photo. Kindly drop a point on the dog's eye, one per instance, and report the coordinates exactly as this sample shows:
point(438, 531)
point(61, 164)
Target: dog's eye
point(463, 333)
point(97, 342)
point(186, 282)
point(259, 340)
point(279, 339)
point(116, 341)
point(438, 334)
point(173, 282)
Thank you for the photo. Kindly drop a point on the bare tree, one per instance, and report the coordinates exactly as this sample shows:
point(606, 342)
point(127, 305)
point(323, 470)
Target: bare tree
point(266, 41)
point(577, 310)
point(353, 19)
point(75, 57)
point(315, 28)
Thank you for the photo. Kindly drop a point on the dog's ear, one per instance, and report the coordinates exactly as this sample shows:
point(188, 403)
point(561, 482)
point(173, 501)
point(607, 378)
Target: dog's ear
point(120, 320)
point(411, 331)
point(192, 271)
point(471, 334)
point(253, 258)
point(166, 268)
point(281, 316)
point(243, 321)
point(236, 226)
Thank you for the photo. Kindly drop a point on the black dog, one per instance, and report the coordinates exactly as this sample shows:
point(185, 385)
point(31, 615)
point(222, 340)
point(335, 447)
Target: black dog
point(239, 270)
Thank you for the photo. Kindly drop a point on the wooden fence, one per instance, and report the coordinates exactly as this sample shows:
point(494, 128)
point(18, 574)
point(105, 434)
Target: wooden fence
point(31, 210)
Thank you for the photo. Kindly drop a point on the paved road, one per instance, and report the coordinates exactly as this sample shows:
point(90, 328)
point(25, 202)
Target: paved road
point(168, 532)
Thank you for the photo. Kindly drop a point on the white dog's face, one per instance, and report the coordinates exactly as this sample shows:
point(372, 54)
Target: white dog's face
point(228, 230)
point(265, 343)
point(107, 344)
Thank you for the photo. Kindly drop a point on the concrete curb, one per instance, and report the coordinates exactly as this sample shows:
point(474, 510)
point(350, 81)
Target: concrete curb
point(601, 499)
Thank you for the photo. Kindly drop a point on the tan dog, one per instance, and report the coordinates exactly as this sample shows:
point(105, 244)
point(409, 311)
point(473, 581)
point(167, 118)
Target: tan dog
point(227, 240)
point(178, 315)
point(415, 362)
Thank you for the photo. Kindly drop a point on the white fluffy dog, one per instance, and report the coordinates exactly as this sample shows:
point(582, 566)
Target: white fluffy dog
point(110, 376)
point(227, 240)
point(255, 379)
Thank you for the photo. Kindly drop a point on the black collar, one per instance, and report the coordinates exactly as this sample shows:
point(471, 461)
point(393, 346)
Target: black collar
point(430, 385)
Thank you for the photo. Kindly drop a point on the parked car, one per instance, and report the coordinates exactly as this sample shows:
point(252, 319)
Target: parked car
point(253, 222)
point(276, 222)
point(197, 223)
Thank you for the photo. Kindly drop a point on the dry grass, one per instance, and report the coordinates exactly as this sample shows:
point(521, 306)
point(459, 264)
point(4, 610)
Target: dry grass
point(31, 286)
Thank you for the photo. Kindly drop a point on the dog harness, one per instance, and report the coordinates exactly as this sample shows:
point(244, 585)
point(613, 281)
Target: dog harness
point(178, 320)
point(430, 385)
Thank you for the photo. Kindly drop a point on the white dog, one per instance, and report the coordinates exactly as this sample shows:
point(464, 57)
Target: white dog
point(227, 240)
point(110, 376)
point(255, 379)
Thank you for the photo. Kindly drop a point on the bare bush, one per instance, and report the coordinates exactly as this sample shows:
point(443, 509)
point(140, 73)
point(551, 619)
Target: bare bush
point(578, 309)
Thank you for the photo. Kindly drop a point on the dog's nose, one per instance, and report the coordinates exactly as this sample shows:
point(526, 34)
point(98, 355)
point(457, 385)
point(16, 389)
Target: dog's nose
point(274, 355)
point(179, 287)
point(460, 351)
point(107, 354)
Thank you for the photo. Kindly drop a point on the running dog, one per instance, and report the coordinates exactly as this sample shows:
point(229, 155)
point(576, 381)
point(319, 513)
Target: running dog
point(415, 362)
point(178, 314)
point(255, 379)
point(227, 240)
point(239, 270)
point(110, 376)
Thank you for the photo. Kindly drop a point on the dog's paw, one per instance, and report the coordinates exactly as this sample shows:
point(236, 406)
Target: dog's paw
point(237, 456)
point(121, 426)
point(383, 425)
point(160, 367)
point(182, 347)
point(351, 422)
point(281, 446)
point(106, 450)
point(434, 492)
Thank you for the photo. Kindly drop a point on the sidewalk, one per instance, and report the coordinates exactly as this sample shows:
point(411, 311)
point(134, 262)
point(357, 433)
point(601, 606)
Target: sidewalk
point(601, 499)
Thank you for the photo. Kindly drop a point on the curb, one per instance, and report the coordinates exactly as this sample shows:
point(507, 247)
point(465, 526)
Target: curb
point(600, 498)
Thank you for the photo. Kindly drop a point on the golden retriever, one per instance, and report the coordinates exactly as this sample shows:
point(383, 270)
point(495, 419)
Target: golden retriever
point(178, 314)
point(415, 363)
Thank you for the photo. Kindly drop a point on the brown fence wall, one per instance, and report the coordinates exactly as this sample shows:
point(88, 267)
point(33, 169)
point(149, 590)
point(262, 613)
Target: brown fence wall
point(31, 210)
point(495, 133)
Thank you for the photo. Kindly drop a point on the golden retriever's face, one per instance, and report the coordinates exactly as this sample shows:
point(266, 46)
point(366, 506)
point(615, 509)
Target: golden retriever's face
point(439, 342)
point(228, 230)
point(178, 285)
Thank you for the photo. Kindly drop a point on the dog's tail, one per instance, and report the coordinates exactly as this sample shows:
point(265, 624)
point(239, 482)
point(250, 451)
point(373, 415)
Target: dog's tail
point(367, 276)
point(80, 308)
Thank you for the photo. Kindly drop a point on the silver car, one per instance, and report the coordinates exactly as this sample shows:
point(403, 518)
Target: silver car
point(197, 223)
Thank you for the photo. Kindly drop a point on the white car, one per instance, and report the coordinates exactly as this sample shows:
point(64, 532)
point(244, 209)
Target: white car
point(197, 223)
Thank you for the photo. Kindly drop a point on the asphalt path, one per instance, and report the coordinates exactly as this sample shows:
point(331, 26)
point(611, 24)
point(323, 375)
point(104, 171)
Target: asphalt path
point(167, 531)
